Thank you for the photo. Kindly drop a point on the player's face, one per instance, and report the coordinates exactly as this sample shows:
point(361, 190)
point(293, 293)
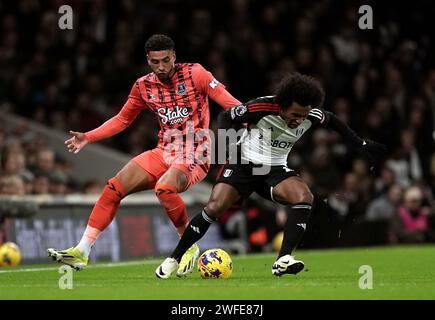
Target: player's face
point(162, 63)
point(295, 114)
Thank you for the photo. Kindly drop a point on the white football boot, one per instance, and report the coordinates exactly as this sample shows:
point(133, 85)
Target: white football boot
point(168, 267)
point(287, 265)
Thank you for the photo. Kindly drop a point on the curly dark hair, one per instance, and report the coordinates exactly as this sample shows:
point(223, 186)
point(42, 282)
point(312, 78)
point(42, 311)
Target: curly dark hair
point(302, 89)
point(158, 42)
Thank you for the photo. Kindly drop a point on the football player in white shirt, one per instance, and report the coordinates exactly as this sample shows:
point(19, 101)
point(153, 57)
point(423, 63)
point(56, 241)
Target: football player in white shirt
point(274, 125)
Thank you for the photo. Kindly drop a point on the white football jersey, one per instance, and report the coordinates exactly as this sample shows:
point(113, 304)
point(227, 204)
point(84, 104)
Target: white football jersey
point(268, 140)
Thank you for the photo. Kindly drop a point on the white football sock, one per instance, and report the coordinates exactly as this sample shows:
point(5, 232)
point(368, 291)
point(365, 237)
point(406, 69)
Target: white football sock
point(90, 236)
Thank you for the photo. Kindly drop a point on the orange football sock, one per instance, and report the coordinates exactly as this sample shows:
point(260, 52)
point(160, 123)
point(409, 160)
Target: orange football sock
point(174, 206)
point(105, 209)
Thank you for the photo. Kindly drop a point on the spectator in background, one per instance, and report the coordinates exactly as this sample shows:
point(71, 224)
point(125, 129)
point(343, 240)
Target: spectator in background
point(411, 223)
point(382, 120)
point(324, 171)
point(12, 185)
point(422, 124)
point(15, 163)
point(45, 162)
point(406, 162)
point(41, 184)
point(92, 187)
point(26, 155)
point(349, 200)
point(384, 181)
point(58, 183)
point(2, 137)
point(385, 207)
point(365, 179)
point(432, 173)
point(28, 181)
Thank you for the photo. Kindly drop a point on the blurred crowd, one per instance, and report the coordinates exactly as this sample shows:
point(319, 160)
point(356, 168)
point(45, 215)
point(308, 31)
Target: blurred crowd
point(30, 167)
point(380, 81)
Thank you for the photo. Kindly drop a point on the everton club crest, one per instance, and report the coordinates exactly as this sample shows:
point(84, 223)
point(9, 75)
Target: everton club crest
point(181, 89)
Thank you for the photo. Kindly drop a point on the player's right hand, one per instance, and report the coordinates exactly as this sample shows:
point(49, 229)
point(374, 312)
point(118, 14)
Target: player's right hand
point(77, 142)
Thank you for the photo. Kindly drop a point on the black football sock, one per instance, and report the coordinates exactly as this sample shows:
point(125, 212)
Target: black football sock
point(294, 228)
point(195, 230)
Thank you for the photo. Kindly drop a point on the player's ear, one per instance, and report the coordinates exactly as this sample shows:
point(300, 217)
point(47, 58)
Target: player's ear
point(175, 56)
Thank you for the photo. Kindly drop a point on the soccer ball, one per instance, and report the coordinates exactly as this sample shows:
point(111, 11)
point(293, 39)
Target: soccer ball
point(10, 255)
point(215, 264)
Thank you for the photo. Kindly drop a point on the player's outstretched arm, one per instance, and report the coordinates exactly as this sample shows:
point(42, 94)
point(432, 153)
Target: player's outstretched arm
point(223, 98)
point(372, 149)
point(108, 129)
point(77, 142)
point(131, 109)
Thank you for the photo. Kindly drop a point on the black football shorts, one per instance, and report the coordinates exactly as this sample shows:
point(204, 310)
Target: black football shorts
point(247, 178)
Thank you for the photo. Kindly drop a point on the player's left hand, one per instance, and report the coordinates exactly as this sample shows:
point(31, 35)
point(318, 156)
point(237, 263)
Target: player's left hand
point(374, 150)
point(373, 147)
point(77, 142)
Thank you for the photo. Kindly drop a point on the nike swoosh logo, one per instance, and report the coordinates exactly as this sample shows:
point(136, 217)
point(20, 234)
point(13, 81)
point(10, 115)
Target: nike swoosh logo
point(160, 271)
point(285, 261)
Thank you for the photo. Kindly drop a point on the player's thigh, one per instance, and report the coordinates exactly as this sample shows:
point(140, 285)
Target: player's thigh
point(133, 178)
point(152, 164)
point(222, 197)
point(276, 175)
point(292, 190)
point(239, 177)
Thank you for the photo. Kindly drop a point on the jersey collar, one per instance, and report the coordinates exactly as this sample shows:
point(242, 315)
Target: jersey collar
point(170, 81)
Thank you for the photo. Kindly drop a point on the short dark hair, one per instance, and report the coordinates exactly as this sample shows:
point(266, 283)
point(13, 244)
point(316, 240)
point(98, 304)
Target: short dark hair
point(302, 89)
point(159, 42)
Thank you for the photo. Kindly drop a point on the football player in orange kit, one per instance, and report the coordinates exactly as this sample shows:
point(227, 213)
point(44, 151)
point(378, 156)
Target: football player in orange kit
point(178, 94)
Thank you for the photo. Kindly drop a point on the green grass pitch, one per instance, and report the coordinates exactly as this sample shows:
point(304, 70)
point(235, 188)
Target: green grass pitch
point(405, 272)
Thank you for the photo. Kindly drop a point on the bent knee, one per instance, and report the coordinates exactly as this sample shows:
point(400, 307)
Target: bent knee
point(215, 208)
point(304, 197)
point(164, 189)
point(307, 197)
point(116, 186)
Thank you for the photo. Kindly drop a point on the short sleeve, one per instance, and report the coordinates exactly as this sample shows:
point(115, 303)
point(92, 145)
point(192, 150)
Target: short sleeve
point(318, 116)
point(205, 81)
point(209, 86)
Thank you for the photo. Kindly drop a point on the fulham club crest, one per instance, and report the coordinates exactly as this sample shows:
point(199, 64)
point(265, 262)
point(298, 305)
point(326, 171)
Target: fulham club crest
point(227, 173)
